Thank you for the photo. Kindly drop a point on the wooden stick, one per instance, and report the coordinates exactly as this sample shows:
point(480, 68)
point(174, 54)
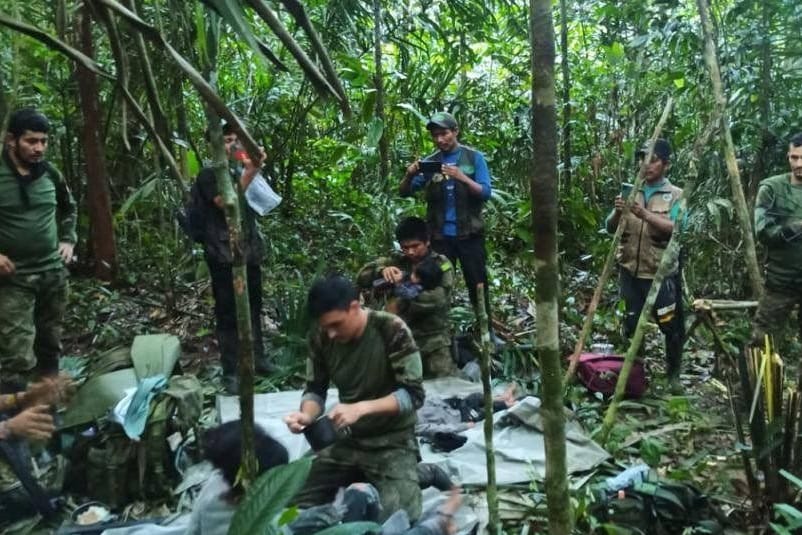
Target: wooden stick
point(720, 103)
point(493, 524)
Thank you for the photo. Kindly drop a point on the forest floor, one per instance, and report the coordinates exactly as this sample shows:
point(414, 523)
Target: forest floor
point(689, 437)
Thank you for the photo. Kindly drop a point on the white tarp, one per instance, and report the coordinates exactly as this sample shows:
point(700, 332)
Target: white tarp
point(518, 436)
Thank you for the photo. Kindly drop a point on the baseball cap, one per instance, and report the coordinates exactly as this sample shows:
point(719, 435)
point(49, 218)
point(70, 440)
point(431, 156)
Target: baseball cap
point(662, 149)
point(442, 119)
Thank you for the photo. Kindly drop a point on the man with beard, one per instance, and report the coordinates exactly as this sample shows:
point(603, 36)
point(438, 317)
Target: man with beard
point(648, 226)
point(37, 237)
point(778, 225)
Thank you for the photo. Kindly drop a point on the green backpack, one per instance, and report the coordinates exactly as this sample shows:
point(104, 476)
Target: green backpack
point(120, 470)
point(657, 506)
point(105, 463)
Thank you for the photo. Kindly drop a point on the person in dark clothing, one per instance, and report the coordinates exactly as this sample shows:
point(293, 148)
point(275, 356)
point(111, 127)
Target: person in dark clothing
point(455, 197)
point(219, 259)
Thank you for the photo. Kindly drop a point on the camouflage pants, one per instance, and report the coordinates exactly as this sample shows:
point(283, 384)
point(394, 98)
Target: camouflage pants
point(438, 363)
point(773, 309)
point(388, 465)
point(31, 312)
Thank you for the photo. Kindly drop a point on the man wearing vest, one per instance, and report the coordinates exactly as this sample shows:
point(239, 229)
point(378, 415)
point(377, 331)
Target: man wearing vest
point(647, 229)
point(455, 197)
point(246, 175)
point(778, 226)
point(37, 236)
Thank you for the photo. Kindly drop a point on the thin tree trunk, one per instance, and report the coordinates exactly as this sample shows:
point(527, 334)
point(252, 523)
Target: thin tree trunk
point(101, 237)
point(609, 261)
point(232, 210)
point(566, 72)
point(154, 102)
point(493, 522)
point(544, 188)
point(298, 12)
point(378, 81)
point(764, 94)
point(720, 101)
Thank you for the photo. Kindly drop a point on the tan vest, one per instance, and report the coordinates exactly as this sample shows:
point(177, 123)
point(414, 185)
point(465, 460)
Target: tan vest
point(642, 246)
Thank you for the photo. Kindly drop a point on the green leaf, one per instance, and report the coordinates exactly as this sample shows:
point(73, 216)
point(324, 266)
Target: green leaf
point(231, 12)
point(268, 496)
point(143, 192)
point(679, 83)
point(413, 109)
point(352, 528)
point(792, 478)
point(375, 129)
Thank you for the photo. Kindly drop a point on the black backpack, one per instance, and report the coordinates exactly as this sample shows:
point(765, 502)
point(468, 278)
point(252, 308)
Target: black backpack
point(192, 216)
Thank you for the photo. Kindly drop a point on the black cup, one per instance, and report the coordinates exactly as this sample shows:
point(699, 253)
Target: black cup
point(321, 433)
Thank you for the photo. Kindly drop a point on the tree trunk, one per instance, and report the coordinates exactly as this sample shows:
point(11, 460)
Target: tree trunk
point(566, 72)
point(544, 189)
point(231, 208)
point(741, 210)
point(493, 521)
point(764, 94)
point(101, 235)
point(378, 81)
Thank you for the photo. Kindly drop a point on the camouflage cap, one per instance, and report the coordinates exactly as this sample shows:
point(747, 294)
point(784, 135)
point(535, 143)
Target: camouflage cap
point(442, 119)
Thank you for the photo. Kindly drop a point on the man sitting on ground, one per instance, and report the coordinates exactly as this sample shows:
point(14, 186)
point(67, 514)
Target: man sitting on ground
point(427, 313)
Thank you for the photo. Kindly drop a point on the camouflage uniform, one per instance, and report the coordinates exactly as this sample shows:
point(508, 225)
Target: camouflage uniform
point(426, 315)
point(778, 226)
point(37, 212)
point(380, 449)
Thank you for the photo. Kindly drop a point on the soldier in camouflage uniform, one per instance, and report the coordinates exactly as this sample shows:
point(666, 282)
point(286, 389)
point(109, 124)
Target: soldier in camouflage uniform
point(37, 236)
point(778, 226)
point(371, 358)
point(427, 314)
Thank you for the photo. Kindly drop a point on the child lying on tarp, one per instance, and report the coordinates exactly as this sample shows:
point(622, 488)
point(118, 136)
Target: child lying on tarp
point(220, 495)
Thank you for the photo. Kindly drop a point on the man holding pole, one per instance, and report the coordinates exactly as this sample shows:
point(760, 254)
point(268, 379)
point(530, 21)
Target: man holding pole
point(648, 226)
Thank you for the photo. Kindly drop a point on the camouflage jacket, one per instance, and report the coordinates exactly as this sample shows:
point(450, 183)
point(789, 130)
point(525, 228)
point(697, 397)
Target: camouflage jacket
point(427, 314)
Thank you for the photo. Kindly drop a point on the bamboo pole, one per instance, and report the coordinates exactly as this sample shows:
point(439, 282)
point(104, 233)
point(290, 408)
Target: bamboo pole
point(493, 524)
point(610, 260)
point(739, 201)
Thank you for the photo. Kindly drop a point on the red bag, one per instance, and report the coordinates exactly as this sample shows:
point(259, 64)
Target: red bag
point(599, 373)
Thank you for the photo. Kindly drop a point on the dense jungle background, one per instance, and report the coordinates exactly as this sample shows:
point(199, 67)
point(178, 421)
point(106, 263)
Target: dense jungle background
point(339, 132)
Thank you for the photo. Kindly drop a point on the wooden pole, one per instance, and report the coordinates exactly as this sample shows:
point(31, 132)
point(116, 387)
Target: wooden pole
point(668, 260)
point(739, 201)
point(493, 524)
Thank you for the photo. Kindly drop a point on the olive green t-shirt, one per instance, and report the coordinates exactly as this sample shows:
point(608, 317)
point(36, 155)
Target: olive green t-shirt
point(35, 215)
point(380, 362)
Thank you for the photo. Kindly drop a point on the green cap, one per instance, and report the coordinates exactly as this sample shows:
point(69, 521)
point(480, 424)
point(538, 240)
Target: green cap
point(442, 119)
